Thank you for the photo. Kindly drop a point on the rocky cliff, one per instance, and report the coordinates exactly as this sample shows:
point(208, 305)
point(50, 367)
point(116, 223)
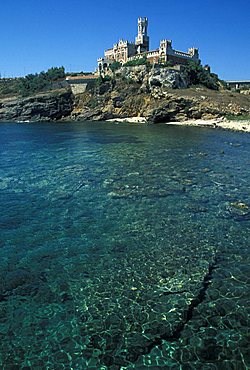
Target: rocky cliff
point(42, 107)
point(158, 94)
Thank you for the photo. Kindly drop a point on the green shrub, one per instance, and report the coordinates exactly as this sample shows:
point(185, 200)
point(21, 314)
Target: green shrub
point(130, 81)
point(9, 86)
point(241, 117)
point(101, 80)
point(106, 78)
point(168, 63)
point(114, 66)
point(93, 103)
point(223, 84)
point(198, 75)
point(137, 62)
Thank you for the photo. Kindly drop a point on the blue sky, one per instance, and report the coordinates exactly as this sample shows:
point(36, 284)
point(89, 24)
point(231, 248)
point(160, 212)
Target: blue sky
point(38, 34)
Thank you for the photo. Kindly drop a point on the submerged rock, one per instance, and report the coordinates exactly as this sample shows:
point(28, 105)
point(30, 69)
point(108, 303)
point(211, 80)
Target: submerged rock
point(16, 278)
point(239, 211)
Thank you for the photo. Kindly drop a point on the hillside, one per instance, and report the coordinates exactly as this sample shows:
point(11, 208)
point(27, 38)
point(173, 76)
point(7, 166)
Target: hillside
point(159, 94)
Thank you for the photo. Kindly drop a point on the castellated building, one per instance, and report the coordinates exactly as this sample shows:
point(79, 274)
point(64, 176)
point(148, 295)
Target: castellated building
point(125, 51)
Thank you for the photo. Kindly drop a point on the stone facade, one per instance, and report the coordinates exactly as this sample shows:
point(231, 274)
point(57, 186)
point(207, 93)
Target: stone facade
point(80, 83)
point(125, 51)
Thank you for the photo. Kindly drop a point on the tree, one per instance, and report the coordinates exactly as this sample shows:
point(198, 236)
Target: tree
point(198, 75)
point(33, 83)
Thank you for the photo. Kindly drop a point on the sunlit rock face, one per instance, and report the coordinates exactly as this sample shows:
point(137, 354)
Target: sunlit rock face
point(167, 78)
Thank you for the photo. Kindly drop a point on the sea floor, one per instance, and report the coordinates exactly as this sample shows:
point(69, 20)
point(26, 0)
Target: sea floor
point(123, 247)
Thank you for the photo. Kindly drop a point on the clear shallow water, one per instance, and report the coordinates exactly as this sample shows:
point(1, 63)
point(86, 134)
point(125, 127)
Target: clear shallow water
point(123, 246)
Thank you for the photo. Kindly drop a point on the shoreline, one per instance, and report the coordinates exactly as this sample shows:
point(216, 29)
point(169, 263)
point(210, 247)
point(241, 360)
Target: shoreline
point(222, 123)
point(241, 126)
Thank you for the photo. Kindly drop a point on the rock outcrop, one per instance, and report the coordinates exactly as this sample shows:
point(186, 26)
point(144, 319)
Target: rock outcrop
point(160, 94)
point(159, 104)
point(44, 107)
point(149, 78)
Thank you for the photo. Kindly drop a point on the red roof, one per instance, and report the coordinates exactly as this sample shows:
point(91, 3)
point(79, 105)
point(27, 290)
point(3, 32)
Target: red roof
point(82, 77)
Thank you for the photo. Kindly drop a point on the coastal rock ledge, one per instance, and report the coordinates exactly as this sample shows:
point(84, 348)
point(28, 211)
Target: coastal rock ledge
point(159, 95)
point(43, 107)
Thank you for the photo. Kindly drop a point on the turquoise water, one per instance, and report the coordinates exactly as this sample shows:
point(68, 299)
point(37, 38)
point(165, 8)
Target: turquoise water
point(123, 246)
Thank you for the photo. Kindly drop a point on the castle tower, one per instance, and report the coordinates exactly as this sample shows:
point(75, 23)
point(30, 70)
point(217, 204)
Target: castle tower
point(165, 48)
point(142, 39)
point(194, 52)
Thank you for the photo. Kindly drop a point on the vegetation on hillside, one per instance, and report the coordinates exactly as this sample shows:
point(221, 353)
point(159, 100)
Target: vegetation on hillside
point(137, 62)
point(114, 66)
point(32, 83)
point(168, 64)
point(9, 86)
point(198, 75)
point(241, 117)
